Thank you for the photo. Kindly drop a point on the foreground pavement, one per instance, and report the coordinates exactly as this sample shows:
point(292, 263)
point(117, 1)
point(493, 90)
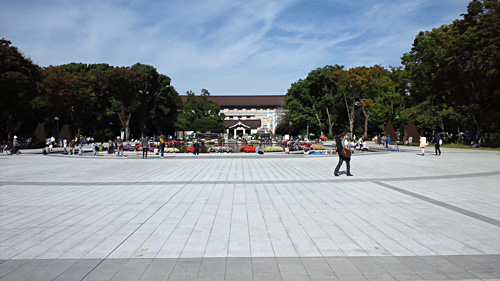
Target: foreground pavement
point(239, 217)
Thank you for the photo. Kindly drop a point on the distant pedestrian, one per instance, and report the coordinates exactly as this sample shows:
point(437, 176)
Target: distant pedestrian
point(163, 141)
point(410, 140)
point(119, 144)
point(65, 145)
point(196, 147)
point(422, 143)
point(15, 145)
point(387, 141)
point(344, 153)
point(375, 139)
point(111, 149)
point(258, 150)
point(94, 149)
point(437, 144)
point(145, 146)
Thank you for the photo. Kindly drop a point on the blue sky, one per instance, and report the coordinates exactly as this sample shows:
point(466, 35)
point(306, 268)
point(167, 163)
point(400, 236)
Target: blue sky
point(228, 47)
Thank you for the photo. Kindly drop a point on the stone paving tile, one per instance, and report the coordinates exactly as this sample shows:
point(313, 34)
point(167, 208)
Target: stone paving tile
point(292, 269)
point(106, 269)
point(248, 218)
point(212, 269)
point(52, 271)
point(185, 269)
point(132, 270)
point(265, 269)
point(239, 269)
point(318, 268)
point(78, 270)
point(158, 269)
point(26, 270)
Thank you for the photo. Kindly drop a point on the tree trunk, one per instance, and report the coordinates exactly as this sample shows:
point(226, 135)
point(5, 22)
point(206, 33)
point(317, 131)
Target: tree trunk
point(330, 123)
point(127, 129)
point(365, 134)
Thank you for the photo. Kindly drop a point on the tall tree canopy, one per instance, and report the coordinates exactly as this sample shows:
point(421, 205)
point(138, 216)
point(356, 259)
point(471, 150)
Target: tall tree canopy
point(19, 81)
point(455, 71)
point(315, 100)
point(201, 114)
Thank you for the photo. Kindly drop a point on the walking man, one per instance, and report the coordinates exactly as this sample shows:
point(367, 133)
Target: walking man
point(145, 147)
point(437, 144)
point(196, 147)
point(119, 143)
point(162, 144)
point(344, 153)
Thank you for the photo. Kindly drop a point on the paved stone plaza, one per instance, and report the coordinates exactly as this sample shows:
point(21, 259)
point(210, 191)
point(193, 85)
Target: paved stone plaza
point(249, 217)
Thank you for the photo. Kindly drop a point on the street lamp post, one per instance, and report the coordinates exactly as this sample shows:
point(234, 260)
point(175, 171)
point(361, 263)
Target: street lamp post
point(307, 133)
point(57, 127)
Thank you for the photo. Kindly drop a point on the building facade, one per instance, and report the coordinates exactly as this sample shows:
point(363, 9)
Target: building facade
point(249, 115)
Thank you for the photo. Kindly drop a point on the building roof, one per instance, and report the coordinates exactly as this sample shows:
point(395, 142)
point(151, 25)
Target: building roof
point(247, 101)
point(249, 123)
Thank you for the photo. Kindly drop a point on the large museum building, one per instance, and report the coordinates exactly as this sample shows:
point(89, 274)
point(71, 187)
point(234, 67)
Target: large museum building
point(249, 115)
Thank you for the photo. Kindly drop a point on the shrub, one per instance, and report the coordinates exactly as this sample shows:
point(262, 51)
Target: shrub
point(317, 147)
point(219, 149)
point(171, 150)
point(247, 149)
point(273, 149)
point(128, 147)
point(254, 141)
point(151, 147)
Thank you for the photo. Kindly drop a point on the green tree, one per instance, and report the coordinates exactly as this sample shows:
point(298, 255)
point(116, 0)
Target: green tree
point(351, 84)
point(454, 69)
point(199, 113)
point(67, 94)
point(315, 100)
point(124, 86)
point(159, 101)
point(19, 81)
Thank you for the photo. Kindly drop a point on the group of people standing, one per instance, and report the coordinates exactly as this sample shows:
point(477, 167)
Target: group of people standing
point(384, 140)
point(437, 144)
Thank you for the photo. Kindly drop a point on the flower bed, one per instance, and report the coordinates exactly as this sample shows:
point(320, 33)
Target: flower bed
point(190, 149)
point(219, 149)
point(317, 147)
point(171, 150)
point(273, 149)
point(247, 149)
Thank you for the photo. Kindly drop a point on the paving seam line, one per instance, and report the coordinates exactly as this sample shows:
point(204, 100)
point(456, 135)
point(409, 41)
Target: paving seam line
point(329, 180)
point(132, 233)
point(442, 204)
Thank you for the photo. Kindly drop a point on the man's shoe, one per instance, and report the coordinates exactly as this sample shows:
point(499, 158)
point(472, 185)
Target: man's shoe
point(336, 175)
point(349, 175)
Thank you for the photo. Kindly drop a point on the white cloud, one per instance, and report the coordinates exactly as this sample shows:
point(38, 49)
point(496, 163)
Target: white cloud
point(227, 46)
